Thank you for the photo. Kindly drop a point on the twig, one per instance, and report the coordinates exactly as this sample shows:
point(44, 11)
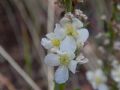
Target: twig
point(50, 22)
point(92, 64)
point(50, 25)
point(18, 69)
point(35, 37)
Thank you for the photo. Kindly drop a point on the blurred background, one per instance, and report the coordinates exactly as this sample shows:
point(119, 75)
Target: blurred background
point(24, 22)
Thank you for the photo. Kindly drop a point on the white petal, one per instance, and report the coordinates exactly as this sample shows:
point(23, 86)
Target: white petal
point(46, 43)
point(82, 61)
point(94, 85)
point(115, 74)
point(72, 66)
point(80, 44)
point(52, 60)
point(64, 21)
point(103, 87)
point(80, 57)
point(50, 36)
point(83, 35)
point(61, 75)
point(99, 73)
point(69, 14)
point(90, 75)
point(71, 55)
point(77, 23)
point(68, 44)
point(116, 45)
point(54, 50)
point(59, 32)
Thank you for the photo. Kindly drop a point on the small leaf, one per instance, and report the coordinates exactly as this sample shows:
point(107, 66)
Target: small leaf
point(59, 86)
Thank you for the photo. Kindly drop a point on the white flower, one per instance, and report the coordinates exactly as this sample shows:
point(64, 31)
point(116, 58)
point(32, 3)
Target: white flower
point(65, 61)
point(67, 35)
point(74, 28)
point(54, 39)
point(116, 45)
point(60, 40)
point(103, 87)
point(118, 6)
point(97, 79)
point(115, 63)
point(115, 74)
point(82, 37)
point(69, 18)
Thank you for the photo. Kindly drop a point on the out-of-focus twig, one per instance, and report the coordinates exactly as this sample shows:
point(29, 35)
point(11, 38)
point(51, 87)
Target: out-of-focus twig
point(33, 28)
point(50, 25)
point(18, 69)
point(92, 64)
point(34, 35)
point(12, 19)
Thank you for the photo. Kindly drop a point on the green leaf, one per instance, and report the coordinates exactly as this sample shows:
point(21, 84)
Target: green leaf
point(59, 86)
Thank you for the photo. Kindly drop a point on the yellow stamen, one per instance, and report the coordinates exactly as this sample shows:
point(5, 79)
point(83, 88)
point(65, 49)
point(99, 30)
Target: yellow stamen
point(98, 80)
point(64, 59)
point(56, 42)
point(70, 30)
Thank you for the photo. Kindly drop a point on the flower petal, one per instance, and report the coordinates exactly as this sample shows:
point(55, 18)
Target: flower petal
point(103, 87)
point(83, 35)
point(54, 50)
point(82, 61)
point(69, 14)
point(64, 21)
point(72, 66)
point(71, 55)
point(59, 32)
point(51, 36)
point(115, 74)
point(61, 75)
point(68, 44)
point(46, 43)
point(90, 76)
point(100, 73)
point(80, 56)
point(77, 23)
point(52, 60)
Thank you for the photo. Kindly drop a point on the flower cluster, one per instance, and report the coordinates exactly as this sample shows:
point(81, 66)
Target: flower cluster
point(97, 79)
point(69, 37)
point(115, 72)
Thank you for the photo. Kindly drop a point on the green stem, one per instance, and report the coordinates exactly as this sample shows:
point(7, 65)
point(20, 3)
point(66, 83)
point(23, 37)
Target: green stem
point(59, 86)
point(28, 61)
point(68, 5)
point(27, 55)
